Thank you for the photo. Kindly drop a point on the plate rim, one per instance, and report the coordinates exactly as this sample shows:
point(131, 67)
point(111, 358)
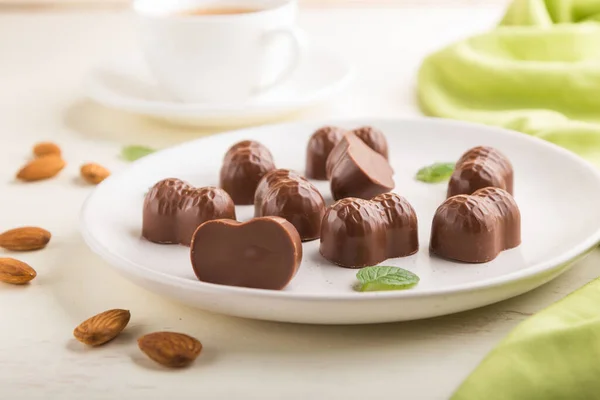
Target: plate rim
point(121, 264)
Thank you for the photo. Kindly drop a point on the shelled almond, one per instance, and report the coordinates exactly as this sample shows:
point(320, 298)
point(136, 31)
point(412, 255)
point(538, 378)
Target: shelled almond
point(40, 168)
point(171, 349)
point(27, 238)
point(102, 328)
point(94, 173)
point(15, 272)
point(46, 148)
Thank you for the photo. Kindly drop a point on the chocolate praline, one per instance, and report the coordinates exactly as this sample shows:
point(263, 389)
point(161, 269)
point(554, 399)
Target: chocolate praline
point(481, 167)
point(263, 253)
point(319, 146)
point(173, 209)
point(357, 233)
point(476, 228)
point(244, 165)
point(286, 194)
point(356, 170)
point(373, 138)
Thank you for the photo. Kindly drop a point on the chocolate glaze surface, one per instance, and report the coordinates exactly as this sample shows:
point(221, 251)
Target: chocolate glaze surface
point(244, 165)
point(476, 228)
point(373, 138)
point(355, 170)
point(319, 146)
point(262, 253)
point(357, 233)
point(287, 194)
point(478, 168)
point(173, 210)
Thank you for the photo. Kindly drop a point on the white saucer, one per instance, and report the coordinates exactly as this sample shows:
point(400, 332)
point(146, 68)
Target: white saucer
point(128, 86)
point(557, 193)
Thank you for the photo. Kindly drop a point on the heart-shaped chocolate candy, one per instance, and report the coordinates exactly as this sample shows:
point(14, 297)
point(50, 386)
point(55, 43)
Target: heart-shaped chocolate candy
point(262, 253)
point(173, 209)
point(476, 228)
point(358, 233)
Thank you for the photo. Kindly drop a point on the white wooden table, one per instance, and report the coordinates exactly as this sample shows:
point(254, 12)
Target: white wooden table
point(44, 59)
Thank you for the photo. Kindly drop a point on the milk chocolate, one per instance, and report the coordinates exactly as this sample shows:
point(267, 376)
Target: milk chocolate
point(319, 146)
point(173, 209)
point(357, 233)
point(476, 228)
point(262, 253)
point(356, 170)
point(284, 193)
point(479, 168)
point(244, 165)
point(373, 138)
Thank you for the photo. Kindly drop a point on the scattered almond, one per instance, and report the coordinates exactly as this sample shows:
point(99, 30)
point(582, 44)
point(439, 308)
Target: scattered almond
point(170, 349)
point(44, 167)
point(94, 173)
point(102, 328)
point(46, 148)
point(27, 238)
point(15, 271)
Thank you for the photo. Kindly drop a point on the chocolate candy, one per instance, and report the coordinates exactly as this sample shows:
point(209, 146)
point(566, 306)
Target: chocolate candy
point(263, 253)
point(286, 194)
point(358, 233)
point(479, 168)
point(319, 146)
point(355, 170)
point(244, 165)
point(373, 138)
point(173, 210)
point(476, 228)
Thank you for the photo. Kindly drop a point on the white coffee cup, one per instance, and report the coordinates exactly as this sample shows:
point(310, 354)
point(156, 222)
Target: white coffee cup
point(220, 57)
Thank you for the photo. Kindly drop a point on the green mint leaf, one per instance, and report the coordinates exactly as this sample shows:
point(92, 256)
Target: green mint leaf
point(435, 173)
point(385, 278)
point(132, 153)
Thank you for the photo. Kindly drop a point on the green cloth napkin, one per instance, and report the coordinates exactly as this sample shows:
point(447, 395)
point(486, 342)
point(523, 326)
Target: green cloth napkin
point(538, 73)
point(554, 355)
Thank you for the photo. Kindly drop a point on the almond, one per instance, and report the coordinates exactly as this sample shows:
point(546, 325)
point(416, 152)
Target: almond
point(102, 328)
point(94, 173)
point(15, 271)
point(27, 238)
point(170, 349)
point(41, 168)
point(46, 148)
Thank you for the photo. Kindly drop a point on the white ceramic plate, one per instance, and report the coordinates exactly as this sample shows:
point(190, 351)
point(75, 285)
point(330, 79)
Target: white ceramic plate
point(128, 86)
point(557, 193)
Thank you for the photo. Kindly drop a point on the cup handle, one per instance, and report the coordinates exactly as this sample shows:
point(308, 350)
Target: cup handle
point(298, 43)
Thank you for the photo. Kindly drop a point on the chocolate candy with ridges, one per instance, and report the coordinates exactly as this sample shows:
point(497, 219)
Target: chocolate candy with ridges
point(319, 146)
point(357, 233)
point(284, 193)
point(476, 228)
point(356, 170)
point(173, 209)
point(373, 138)
point(262, 253)
point(244, 165)
point(478, 168)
